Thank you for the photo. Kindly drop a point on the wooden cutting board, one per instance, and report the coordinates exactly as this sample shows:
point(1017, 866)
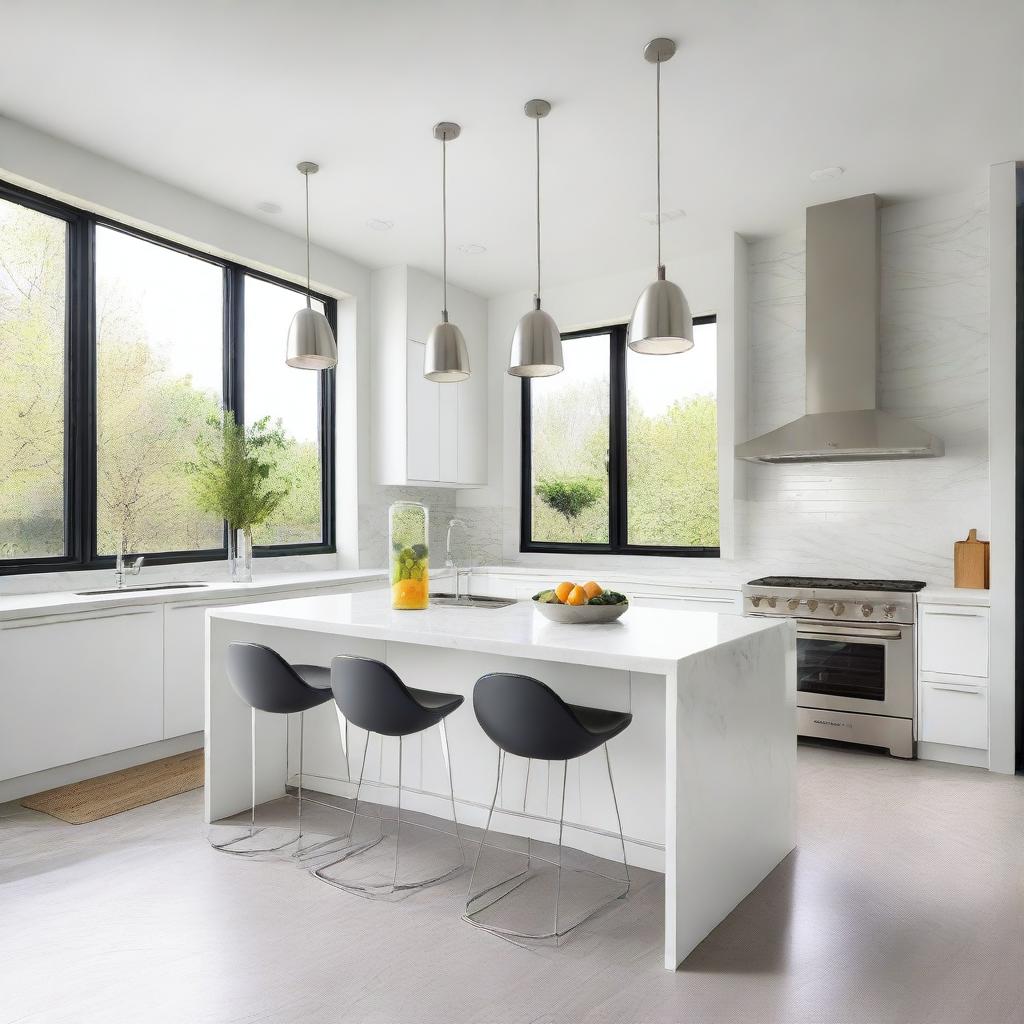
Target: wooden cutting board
point(970, 562)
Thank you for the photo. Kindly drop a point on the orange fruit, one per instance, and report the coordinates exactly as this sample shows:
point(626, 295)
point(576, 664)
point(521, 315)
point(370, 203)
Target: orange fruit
point(563, 590)
point(593, 589)
point(577, 596)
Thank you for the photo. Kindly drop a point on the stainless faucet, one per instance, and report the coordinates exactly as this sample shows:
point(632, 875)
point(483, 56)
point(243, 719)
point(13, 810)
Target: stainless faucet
point(121, 570)
point(448, 560)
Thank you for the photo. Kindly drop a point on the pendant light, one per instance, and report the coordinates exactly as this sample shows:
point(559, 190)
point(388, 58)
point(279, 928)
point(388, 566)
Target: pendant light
point(537, 342)
point(311, 344)
point(661, 322)
point(446, 359)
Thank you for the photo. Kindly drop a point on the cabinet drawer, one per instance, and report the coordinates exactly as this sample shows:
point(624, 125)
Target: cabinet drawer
point(954, 641)
point(685, 602)
point(954, 713)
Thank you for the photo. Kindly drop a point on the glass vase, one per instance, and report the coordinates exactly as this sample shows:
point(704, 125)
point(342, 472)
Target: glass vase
point(408, 523)
point(240, 555)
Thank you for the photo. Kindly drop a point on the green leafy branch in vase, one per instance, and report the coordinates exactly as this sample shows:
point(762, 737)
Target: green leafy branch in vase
point(234, 474)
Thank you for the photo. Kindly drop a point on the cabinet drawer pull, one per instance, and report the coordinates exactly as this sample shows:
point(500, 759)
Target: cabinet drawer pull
point(958, 615)
point(954, 687)
point(58, 618)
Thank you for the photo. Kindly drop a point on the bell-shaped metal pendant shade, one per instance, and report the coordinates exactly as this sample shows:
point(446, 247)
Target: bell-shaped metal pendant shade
point(661, 324)
point(536, 346)
point(311, 344)
point(447, 358)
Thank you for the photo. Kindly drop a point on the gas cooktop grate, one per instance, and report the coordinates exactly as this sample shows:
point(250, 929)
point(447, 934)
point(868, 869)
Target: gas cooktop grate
point(830, 583)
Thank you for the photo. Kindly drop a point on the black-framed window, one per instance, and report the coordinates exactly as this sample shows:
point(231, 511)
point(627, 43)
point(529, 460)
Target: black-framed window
point(117, 349)
point(620, 450)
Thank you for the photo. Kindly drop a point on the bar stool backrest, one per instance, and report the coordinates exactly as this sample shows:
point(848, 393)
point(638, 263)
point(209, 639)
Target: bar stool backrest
point(266, 682)
point(526, 718)
point(372, 697)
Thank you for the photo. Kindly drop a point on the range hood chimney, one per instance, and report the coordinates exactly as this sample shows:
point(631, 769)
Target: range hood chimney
point(843, 423)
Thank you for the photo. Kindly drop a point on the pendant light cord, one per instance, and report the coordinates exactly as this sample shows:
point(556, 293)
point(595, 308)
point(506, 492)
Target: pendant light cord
point(308, 302)
point(657, 108)
point(444, 229)
point(537, 126)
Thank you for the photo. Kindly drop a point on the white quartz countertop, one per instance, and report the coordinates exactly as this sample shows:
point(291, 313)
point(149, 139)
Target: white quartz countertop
point(955, 595)
point(644, 639)
point(15, 606)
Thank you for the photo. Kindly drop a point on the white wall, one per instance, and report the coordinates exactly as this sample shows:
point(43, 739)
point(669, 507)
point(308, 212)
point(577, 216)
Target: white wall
point(58, 169)
point(1003, 419)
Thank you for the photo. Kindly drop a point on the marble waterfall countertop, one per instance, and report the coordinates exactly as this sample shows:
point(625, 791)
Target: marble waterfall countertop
point(644, 639)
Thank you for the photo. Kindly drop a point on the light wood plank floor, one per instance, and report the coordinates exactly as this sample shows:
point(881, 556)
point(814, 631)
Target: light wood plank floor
point(904, 903)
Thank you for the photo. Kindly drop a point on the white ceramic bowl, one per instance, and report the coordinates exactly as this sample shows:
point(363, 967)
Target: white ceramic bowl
point(580, 613)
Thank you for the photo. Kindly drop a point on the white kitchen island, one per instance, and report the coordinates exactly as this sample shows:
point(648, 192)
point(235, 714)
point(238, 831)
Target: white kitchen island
point(705, 773)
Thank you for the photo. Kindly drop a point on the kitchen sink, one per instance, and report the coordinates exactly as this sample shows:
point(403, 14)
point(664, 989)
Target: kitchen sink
point(470, 601)
point(138, 587)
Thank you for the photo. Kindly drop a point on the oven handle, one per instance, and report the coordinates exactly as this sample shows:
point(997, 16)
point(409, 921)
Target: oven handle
point(806, 628)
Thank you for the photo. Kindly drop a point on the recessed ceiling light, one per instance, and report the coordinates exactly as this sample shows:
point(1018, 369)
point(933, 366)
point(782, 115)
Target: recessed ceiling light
point(268, 207)
point(651, 217)
point(380, 224)
point(473, 248)
point(827, 173)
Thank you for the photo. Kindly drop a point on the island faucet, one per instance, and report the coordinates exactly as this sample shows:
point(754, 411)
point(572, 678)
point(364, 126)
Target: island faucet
point(448, 560)
point(121, 570)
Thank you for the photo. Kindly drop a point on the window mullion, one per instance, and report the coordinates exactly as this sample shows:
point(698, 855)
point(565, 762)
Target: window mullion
point(82, 453)
point(617, 510)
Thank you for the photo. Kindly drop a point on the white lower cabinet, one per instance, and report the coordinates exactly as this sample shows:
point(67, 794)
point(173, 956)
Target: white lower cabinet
point(953, 682)
point(77, 686)
point(955, 714)
point(81, 685)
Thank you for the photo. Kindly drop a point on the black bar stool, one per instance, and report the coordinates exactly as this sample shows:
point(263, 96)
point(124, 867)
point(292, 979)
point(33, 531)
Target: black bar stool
point(266, 682)
point(525, 718)
point(371, 696)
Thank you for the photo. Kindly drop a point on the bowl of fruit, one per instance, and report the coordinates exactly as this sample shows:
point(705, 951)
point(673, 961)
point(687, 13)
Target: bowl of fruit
point(587, 603)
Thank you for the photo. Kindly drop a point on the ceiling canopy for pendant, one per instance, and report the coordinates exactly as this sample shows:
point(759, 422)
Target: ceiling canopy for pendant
point(661, 323)
point(311, 343)
point(446, 359)
point(537, 342)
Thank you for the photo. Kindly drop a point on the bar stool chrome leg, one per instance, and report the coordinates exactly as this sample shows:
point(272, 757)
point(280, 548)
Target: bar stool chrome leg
point(395, 887)
point(230, 846)
point(507, 885)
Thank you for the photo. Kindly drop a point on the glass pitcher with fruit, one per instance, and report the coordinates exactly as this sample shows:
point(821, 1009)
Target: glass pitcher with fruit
point(410, 555)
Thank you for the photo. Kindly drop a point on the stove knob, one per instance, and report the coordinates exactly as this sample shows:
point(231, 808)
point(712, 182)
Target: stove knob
point(756, 601)
point(889, 610)
point(772, 602)
point(812, 605)
point(793, 603)
point(838, 608)
point(866, 610)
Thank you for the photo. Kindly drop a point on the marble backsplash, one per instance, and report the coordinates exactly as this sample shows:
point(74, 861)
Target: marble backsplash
point(478, 544)
point(889, 519)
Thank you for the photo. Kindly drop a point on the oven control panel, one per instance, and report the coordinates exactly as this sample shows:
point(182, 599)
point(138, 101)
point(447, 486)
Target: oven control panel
point(830, 606)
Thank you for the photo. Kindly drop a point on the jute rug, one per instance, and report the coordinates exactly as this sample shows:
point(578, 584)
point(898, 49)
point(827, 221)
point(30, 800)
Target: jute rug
point(82, 802)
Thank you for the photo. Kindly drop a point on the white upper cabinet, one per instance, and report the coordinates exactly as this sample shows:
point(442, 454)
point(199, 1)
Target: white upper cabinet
point(425, 433)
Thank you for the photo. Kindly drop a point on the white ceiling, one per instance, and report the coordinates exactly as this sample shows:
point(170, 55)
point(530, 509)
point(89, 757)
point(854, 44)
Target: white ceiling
point(223, 97)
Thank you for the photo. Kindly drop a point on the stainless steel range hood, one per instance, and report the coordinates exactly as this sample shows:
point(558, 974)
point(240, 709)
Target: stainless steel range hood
point(842, 422)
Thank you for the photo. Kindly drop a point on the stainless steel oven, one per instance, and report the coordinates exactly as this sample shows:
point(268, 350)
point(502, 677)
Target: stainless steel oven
point(855, 655)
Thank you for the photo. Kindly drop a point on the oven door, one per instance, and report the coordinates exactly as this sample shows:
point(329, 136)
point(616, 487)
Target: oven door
point(851, 667)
